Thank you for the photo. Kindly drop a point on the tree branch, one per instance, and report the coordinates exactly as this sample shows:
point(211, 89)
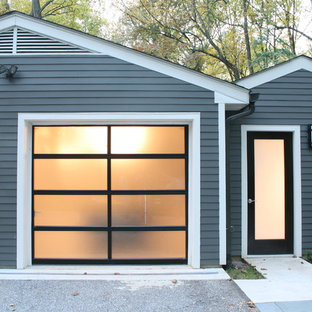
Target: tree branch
point(46, 4)
point(55, 9)
point(295, 30)
point(231, 67)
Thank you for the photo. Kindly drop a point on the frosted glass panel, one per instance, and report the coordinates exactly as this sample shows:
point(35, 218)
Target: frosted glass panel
point(70, 210)
point(71, 244)
point(269, 189)
point(70, 140)
point(147, 140)
point(151, 244)
point(148, 174)
point(148, 210)
point(70, 174)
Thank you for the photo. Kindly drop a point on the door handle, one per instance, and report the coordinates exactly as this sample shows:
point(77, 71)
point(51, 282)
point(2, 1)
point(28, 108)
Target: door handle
point(250, 201)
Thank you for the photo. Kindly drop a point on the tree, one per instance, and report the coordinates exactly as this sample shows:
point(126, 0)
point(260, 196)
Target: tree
point(4, 6)
point(36, 10)
point(83, 15)
point(47, 8)
point(229, 38)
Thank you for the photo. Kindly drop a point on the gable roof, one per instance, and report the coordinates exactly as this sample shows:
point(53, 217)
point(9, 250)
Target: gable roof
point(277, 71)
point(224, 90)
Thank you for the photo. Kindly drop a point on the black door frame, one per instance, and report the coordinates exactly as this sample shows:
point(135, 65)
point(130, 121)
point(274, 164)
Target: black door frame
point(262, 247)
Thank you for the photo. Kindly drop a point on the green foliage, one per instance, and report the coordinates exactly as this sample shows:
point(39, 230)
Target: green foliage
point(21, 5)
point(4, 6)
point(246, 273)
point(308, 256)
point(229, 39)
point(77, 14)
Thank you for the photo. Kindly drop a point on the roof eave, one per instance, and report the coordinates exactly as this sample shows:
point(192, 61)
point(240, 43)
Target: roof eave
point(236, 94)
point(277, 71)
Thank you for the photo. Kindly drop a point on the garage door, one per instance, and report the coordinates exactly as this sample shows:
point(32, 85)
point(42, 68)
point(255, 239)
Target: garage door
point(110, 194)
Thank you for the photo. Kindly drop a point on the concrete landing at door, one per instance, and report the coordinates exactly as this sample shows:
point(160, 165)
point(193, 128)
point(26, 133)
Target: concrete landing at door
point(288, 281)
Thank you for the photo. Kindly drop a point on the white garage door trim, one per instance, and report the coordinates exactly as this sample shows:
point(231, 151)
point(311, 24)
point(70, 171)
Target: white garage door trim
point(24, 168)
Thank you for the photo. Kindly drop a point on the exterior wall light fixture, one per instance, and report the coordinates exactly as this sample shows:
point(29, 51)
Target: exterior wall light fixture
point(10, 70)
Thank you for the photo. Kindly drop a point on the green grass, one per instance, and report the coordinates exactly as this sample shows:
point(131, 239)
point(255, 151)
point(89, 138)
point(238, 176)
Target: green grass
point(308, 256)
point(247, 272)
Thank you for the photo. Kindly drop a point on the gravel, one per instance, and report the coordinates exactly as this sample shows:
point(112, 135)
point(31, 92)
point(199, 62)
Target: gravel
point(113, 296)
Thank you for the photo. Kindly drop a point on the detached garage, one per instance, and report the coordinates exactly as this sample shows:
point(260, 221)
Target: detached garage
point(109, 155)
point(112, 156)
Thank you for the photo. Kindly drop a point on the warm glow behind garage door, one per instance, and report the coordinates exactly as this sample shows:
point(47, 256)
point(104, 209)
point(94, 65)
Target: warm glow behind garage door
point(110, 194)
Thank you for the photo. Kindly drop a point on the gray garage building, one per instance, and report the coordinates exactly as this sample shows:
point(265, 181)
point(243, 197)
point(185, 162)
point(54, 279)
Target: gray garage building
point(112, 156)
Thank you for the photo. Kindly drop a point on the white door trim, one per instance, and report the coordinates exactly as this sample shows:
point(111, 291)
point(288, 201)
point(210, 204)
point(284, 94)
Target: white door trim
point(296, 181)
point(24, 168)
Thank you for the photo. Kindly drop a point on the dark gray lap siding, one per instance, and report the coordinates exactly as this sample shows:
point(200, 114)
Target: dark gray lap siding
point(284, 101)
point(101, 84)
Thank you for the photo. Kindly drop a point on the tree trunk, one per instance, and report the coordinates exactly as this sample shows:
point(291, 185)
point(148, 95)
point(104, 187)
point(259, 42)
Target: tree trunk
point(247, 39)
point(290, 33)
point(36, 9)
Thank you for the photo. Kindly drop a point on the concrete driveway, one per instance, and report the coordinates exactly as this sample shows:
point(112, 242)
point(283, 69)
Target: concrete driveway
point(122, 295)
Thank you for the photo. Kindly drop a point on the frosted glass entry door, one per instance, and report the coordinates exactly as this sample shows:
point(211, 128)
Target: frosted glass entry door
point(269, 189)
point(270, 193)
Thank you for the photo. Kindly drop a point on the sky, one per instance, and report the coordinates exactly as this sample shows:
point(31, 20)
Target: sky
point(111, 13)
point(305, 23)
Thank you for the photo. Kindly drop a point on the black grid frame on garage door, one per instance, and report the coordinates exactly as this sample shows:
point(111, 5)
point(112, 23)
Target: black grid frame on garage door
point(109, 192)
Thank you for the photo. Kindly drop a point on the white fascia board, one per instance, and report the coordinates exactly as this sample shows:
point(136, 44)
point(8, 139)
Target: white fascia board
point(225, 99)
point(7, 22)
point(280, 70)
point(236, 93)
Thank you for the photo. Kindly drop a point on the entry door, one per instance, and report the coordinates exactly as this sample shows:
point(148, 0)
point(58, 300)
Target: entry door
point(270, 193)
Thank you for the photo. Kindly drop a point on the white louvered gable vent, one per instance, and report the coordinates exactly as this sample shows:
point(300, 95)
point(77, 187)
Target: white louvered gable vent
point(6, 42)
point(21, 41)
